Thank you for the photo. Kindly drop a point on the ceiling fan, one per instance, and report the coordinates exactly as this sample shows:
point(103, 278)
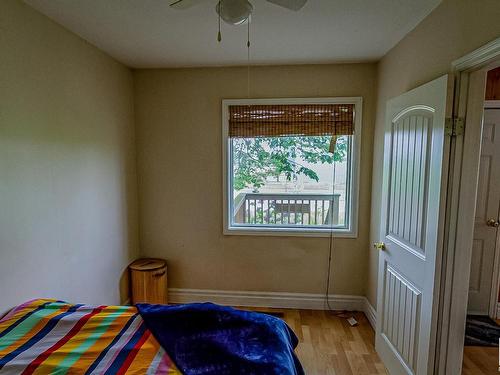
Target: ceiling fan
point(235, 12)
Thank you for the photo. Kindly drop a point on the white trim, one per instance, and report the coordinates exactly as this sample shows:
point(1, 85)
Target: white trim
point(458, 245)
point(495, 280)
point(489, 104)
point(352, 231)
point(282, 300)
point(477, 57)
point(289, 232)
point(411, 109)
point(371, 314)
point(460, 212)
point(278, 300)
point(475, 312)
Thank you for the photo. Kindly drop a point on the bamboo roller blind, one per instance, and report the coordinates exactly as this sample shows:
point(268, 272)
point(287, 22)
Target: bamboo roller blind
point(250, 121)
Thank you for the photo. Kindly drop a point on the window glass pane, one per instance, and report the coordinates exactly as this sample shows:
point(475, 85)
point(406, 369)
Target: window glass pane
point(290, 182)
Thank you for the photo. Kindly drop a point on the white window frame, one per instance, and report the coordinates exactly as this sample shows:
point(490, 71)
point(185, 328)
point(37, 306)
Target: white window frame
point(351, 230)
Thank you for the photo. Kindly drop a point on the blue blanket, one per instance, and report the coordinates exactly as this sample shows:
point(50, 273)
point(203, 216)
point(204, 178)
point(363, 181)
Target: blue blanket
point(208, 339)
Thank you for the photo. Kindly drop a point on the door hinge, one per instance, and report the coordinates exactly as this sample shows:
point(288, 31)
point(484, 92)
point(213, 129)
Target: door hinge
point(454, 126)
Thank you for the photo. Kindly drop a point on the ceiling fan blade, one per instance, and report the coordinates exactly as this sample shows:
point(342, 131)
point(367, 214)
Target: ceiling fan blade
point(290, 4)
point(185, 4)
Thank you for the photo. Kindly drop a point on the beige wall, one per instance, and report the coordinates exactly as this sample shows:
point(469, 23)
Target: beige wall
point(67, 161)
point(453, 29)
point(178, 119)
point(67, 164)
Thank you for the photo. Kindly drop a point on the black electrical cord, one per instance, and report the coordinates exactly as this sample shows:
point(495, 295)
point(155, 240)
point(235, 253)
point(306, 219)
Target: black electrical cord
point(339, 313)
point(330, 245)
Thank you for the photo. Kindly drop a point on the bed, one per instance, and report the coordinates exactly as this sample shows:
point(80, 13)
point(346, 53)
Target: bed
point(53, 337)
point(46, 336)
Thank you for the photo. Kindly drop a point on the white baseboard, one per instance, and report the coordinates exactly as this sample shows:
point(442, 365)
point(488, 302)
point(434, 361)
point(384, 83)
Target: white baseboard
point(476, 312)
point(371, 313)
point(275, 300)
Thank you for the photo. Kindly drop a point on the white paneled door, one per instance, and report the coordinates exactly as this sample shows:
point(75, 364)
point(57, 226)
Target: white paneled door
point(415, 154)
point(482, 284)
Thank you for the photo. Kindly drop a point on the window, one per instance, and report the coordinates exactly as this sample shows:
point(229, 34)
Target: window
point(291, 166)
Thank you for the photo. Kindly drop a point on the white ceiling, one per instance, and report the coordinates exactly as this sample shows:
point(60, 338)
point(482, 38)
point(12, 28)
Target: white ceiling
point(148, 34)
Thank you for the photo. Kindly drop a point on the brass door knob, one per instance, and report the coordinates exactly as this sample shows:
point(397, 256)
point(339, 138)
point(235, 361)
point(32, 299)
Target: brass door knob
point(493, 223)
point(379, 246)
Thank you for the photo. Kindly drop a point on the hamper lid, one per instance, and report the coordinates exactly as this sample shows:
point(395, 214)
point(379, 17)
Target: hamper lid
point(147, 264)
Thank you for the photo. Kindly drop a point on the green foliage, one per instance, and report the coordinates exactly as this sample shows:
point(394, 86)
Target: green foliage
point(256, 159)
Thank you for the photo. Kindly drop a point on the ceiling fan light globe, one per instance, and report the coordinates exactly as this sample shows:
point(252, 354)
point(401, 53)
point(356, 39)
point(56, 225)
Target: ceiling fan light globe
point(234, 12)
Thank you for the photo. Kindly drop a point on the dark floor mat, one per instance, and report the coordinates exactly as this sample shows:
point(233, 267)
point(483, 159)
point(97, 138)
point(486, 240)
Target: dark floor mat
point(481, 330)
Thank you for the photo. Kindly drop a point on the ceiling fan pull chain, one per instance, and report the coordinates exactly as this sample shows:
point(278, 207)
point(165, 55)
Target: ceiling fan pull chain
point(219, 35)
point(248, 32)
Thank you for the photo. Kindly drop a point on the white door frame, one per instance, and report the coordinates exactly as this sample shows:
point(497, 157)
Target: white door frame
point(461, 204)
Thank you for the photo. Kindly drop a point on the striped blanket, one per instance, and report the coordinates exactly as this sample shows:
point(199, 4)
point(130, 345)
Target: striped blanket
point(52, 337)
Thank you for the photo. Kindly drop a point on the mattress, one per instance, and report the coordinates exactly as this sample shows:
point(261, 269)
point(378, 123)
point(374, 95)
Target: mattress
point(53, 337)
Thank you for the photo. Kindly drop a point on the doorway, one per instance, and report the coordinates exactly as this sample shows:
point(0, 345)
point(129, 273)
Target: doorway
point(482, 331)
point(484, 271)
point(461, 240)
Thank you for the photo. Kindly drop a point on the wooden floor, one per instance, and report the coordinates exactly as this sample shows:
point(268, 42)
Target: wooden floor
point(479, 360)
point(329, 345)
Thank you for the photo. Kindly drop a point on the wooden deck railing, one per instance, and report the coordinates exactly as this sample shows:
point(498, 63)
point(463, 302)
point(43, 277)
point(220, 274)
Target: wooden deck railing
point(291, 209)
